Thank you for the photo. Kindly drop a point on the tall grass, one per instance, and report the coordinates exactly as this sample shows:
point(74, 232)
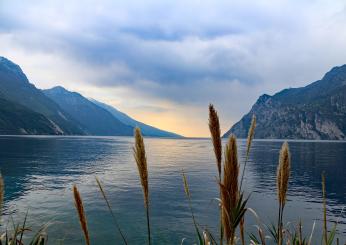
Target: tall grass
point(283, 174)
point(81, 214)
point(215, 131)
point(188, 195)
point(250, 136)
point(229, 187)
point(141, 160)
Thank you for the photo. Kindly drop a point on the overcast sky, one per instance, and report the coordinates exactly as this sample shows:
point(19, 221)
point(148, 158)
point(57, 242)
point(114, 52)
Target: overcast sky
point(163, 62)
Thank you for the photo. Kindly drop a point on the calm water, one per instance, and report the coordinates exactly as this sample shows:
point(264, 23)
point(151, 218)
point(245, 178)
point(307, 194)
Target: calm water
point(39, 173)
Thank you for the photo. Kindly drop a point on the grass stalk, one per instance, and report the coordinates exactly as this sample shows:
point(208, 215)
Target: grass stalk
point(242, 230)
point(250, 136)
point(110, 210)
point(230, 191)
point(2, 192)
point(325, 229)
point(23, 227)
point(188, 195)
point(81, 214)
point(215, 131)
point(283, 174)
point(141, 160)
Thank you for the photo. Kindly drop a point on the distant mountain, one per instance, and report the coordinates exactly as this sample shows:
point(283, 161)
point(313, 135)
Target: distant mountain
point(317, 111)
point(16, 119)
point(94, 119)
point(146, 129)
point(15, 88)
point(24, 109)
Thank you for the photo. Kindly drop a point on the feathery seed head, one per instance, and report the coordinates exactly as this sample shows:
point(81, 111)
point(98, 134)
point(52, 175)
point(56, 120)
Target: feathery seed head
point(141, 160)
point(81, 213)
point(186, 186)
point(215, 131)
point(251, 134)
point(283, 173)
point(229, 186)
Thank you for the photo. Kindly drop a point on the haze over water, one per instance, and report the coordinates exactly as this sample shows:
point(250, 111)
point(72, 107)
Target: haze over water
point(39, 173)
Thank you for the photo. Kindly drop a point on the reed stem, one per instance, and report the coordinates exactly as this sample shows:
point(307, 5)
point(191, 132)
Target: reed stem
point(279, 227)
point(325, 231)
point(81, 214)
point(188, 195)
point(148, 225)
point(250, 136)
point(141, 161)
point(215, 131)
point(110, 210)
point(2, 191)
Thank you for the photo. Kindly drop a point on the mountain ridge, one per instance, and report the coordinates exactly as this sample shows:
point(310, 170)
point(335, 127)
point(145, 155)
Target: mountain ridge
point(147, 130)
point(315, 111)
point(94, 119)
point(25, 109)
point(16, 88)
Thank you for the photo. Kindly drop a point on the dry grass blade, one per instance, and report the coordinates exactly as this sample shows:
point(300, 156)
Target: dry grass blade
point(141, 160)
point(206, 238)
point(81, 214)
point(250, 136)
point(186, 186)
point(2, 192)
point(231, 170)
point(188, 195)
point(110, 210)
point(312, 232)
point(229, 190)
point(215, 131)
point(242, 231)
point(325, 229)
point(262, 236)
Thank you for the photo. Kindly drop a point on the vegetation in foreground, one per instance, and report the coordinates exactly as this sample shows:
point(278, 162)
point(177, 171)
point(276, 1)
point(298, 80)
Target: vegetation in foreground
point(232, 201)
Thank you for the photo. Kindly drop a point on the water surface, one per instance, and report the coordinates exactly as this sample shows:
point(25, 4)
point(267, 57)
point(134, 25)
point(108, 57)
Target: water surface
point(39, 173)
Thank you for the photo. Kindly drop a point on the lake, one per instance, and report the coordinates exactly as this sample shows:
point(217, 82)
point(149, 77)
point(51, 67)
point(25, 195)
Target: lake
point(39, 172)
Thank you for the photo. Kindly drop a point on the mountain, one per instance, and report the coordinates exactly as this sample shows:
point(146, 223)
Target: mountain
point(94, 119)
point(15, 88)
point(316, 111)
point(24, 109)
point(147, 130)
point(16, 119)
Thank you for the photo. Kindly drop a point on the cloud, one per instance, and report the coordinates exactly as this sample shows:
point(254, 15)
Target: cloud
point(178, 53)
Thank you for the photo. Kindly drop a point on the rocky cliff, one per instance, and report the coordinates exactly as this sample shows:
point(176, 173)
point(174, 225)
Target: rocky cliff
point(316, 111)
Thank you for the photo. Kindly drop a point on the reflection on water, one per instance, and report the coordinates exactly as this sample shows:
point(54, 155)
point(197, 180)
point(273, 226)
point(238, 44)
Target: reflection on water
point(39, 173)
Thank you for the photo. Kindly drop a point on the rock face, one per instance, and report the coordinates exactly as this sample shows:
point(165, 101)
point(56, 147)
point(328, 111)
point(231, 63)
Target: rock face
point(317, 111)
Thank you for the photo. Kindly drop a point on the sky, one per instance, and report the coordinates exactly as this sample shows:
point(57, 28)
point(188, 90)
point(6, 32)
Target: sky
point(163, 62)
